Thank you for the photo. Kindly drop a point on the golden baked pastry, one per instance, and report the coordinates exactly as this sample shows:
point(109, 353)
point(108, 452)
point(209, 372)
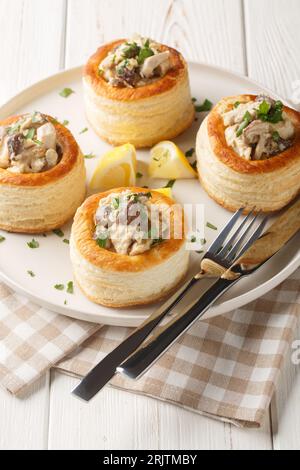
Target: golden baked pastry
point(42, 174)
point(137, 91)
point(248, 153)
point(120, 255)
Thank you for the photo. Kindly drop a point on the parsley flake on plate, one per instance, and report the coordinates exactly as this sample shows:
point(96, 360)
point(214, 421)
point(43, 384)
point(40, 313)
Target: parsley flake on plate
point(66, 92)
point(170, 184)
point(205, 106)
point(85, 129)
point(58, 232)
point(31, 273)
point(190, 152)
point(89, 155)
point(212, 226)
point(59, 287)
point(2, 238)
point(33, 244)
point(70, 287)
point(66, 241)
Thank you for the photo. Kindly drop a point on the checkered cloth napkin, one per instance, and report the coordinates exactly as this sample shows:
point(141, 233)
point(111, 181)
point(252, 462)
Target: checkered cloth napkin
point(225, 367)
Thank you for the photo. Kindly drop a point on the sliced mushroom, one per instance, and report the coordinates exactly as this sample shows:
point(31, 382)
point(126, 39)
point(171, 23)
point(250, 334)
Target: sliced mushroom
point(51, 157)
point(255, 131)
point(284, 128)
point(15, 144)
point(47, 135)
point(38, 164)
point(152, 62)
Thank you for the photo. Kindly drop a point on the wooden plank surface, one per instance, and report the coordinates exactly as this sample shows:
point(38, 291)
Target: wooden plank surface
point(24, 420)
point(31, 42)
point(207, 30)
point(272, 38)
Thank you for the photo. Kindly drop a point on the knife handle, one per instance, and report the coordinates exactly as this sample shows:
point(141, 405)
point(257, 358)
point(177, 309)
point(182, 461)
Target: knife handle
point(148, 353)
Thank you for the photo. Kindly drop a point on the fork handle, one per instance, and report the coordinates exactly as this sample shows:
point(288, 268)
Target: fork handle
point(150, 351)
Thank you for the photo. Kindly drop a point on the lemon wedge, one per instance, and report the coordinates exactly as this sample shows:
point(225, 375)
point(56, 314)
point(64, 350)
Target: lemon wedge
point(165, 191)
point(168, 161)
point(116, 168)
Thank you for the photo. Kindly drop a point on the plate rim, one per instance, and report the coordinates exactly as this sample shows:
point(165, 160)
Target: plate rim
point(114, 315)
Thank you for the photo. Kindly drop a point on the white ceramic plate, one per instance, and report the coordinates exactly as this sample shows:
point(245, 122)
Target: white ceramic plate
point(50, 262)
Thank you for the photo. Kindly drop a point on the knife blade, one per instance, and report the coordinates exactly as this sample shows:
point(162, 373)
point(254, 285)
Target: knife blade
point(106, 369)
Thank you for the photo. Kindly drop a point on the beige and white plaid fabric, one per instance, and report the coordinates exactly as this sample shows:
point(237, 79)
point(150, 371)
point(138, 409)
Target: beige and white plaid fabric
point(226, 367)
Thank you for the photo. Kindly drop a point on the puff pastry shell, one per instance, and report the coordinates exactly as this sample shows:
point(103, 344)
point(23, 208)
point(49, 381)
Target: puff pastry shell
point(39, 202)
point(117, 280)
point(234, 182)
point(143, 115)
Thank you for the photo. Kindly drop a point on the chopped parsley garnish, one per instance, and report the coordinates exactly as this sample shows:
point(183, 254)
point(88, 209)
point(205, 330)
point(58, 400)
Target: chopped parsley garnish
point(144, 53)
point(31, 273)
point(89, 155)
point(199, 252)
point(70, 287)
point(66, 92)
point(33, 244)
point(269, 113)
point(65, 122)
point(132, 50)
point(276, 136)
point(205, 106)
point(202, 241)
point(170, 184)
point(139, 174)
point(38, 142)
point(59, 286)
point(101, 242)
point(2, 238)
point(236, 104)
point(30, 133)
point(193, 239)
point(85, 129)
point(194, 100)
point(65, 302)
point(65, 240)
point(58, 232)
point(263, 109)
point(116, 202)
point(189, 153)
point(194, 165)
point(209, 225)
point(246, 121)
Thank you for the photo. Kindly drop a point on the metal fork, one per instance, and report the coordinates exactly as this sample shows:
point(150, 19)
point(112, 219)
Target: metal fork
point(151, 349)
point(219, 253)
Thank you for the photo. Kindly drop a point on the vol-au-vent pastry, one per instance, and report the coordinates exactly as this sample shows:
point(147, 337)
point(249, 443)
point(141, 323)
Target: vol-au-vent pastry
point(137, 91)
point(127, 247)
point(248, 153)
point(42, 174)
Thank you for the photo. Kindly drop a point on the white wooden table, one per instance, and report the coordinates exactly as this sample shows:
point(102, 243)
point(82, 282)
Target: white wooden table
point(259, 38)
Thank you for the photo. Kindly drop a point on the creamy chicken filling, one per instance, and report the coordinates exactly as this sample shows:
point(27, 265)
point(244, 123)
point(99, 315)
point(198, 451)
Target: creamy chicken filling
point(29, 145)
point(258, 129)
point(127, 223)
point(135, 63)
